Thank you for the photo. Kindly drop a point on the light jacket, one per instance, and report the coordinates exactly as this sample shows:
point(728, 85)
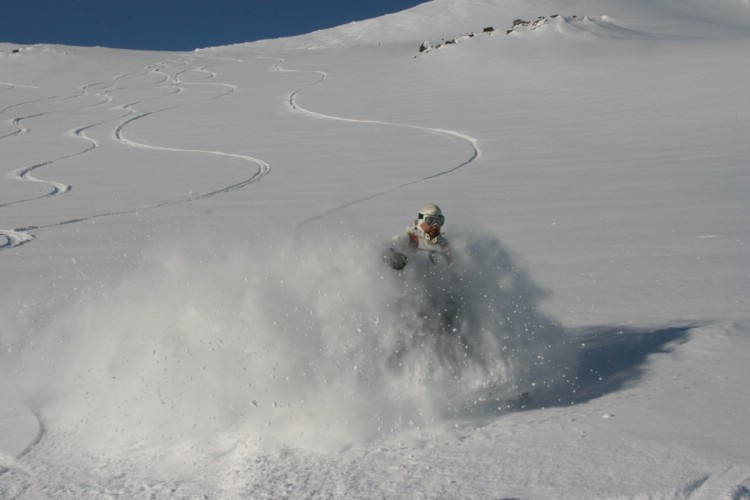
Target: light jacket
point(416, 242)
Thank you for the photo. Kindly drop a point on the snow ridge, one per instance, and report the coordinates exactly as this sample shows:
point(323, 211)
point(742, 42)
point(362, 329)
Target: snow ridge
point(586, 26)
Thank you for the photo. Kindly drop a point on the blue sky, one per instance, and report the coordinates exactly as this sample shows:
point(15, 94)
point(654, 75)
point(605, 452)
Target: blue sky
point(177, 24)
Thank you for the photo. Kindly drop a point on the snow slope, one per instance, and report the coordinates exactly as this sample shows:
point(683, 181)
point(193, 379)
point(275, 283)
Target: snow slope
point(192, 298)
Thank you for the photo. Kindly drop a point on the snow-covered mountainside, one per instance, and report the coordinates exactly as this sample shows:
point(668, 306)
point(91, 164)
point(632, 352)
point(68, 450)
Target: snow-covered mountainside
point(194, 302)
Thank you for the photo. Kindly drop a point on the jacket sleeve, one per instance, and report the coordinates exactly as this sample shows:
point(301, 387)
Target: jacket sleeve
point(395, 255)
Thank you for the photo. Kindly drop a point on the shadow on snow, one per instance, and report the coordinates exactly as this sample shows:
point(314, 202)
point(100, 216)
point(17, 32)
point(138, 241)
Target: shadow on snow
point(610, 359)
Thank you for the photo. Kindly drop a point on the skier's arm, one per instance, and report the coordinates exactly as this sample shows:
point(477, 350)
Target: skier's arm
point(395, 256)
point(397, 260)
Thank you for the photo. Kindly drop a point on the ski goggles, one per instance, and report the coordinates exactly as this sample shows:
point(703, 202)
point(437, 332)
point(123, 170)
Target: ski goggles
point(433, 220)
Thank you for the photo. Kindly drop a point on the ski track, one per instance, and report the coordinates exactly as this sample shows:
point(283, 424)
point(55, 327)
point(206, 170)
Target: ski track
point(12, 86)
point(16, 122)
point(20, 236)
point(294, 105)
point(25, 172)
point(262, 167)
point(40, 433)
point(57, 187)
point(732, 483)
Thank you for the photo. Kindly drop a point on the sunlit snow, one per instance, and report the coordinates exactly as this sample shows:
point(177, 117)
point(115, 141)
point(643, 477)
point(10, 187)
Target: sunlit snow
point(194, 302)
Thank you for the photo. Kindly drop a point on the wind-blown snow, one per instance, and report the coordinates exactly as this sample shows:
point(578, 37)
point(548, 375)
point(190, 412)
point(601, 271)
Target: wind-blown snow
point(194, 303)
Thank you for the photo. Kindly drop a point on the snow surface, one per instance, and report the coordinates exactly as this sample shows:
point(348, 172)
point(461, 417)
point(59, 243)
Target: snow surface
point(193, 303)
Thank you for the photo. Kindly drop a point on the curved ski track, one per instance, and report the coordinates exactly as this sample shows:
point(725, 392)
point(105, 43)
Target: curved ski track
point(20, 236)
point(262, 167)
point(40, 433)
point(292, 102)
point(24, 173)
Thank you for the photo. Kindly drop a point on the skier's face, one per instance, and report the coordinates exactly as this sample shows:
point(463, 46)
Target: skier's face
point(432, 230)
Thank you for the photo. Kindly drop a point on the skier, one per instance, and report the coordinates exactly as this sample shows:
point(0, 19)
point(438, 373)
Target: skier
point(421, 238)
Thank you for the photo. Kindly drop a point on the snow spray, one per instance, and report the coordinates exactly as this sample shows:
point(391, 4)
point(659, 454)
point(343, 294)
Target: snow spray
point(302, 344)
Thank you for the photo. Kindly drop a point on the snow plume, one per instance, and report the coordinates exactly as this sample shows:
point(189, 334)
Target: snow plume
point(312, 343)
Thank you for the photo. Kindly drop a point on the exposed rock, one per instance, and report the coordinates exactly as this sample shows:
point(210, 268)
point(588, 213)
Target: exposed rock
point(518, 25)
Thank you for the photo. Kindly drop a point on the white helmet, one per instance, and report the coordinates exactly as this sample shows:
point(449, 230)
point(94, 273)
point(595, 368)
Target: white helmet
point(431, 214)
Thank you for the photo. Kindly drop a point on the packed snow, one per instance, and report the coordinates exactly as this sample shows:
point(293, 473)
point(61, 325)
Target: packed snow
point(194, 303)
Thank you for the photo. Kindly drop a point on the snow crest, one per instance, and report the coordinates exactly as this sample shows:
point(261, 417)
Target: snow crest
point(301, 343)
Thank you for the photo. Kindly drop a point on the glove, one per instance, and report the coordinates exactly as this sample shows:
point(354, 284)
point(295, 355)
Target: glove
point(395, 259)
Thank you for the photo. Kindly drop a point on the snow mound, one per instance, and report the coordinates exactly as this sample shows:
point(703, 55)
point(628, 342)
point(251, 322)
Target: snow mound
point(597, 26)
point(296, 343)
point(427, 46)
point(590, 26)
